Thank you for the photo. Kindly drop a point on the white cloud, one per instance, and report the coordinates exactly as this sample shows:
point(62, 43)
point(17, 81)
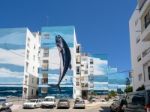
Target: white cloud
point(15, 57)
point(7, 73)
point(14, 38)
point(55, 58)
point(99, 66)
point(100, 83)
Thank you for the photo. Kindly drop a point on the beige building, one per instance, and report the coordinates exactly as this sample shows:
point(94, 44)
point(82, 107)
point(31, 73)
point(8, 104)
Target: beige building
point(140, 44)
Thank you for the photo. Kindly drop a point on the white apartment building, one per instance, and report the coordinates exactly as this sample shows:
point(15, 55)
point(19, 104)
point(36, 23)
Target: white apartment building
point(76, 77)
point(84, 74)
point(140, 44)
point(31, 64)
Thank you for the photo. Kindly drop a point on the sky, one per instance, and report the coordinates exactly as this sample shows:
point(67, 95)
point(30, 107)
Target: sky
point(101, 26)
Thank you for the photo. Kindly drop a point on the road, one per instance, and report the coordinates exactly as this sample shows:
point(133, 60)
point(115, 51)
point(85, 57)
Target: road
point(102, 107)
point(96, 109)
point(88, 109)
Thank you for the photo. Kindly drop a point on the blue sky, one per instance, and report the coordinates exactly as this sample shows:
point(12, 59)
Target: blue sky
point(101, 25)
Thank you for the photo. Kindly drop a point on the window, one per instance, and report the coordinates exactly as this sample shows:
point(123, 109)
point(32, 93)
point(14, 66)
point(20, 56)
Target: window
point(46, 36)
point(45, 79)
point(149, 72)
point(147, 19)
point(26, 78)
point(28, 42)
point(78, 59)
point(139, 58)
point(34, 47)
point(140, 77)
point(32, 92)
point(77, 83)
point(45, 65)
point(78, 49)
point(78, 70)
point(33, 68)
point(91, 61)
point(138, 99)
point(28, 54)
point(136, 22)
point(27, 66)
point(86, 72)
point(45, 52)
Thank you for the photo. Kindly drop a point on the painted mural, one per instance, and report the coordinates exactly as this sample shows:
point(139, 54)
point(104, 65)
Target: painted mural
point(12, 52)
point(105, 77)
point(49, 40)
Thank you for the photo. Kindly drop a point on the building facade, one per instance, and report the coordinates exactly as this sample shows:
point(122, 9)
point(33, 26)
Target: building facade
point(31, 65)
point(140, 44)
point(51, 60)
point(33, 61)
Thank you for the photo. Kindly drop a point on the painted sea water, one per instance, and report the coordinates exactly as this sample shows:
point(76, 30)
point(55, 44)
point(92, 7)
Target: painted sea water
point(66, 92)
point(17, 92)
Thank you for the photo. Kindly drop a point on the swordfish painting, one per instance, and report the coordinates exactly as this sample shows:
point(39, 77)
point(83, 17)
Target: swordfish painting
point(65, 59)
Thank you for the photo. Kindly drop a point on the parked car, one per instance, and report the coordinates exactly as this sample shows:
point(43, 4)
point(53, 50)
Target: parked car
point(49, 102)
point(31, 104)
point(102, 100)
point(79, 104)
point(63, 103)
point(138, 101)
point(118, 106)
point(4, 105)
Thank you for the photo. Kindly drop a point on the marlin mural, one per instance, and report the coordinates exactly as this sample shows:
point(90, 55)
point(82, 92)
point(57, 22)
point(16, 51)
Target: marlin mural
point(65, 58)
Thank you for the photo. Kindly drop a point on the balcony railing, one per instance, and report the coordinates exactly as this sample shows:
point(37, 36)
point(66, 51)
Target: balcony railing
point(141, 3)
point(147, 51)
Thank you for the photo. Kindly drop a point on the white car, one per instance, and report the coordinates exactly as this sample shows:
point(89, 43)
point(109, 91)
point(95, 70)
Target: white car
point(48, 102)
point(33, 103)
point(5, 106)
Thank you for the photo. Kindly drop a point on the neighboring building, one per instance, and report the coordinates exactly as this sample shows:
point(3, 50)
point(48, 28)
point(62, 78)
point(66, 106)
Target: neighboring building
point(18, 59)
point(76, 78)
point(140, 44)
point(31, 65)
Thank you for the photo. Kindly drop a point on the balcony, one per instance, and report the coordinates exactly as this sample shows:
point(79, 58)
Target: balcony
point(141, 3)
point(146, 52)
point(84, 86)
point(143, 6)
point(146, 34)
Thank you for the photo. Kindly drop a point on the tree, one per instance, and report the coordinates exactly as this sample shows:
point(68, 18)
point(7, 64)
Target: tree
point(119, 91)
point(112, 94)
point(128, 89)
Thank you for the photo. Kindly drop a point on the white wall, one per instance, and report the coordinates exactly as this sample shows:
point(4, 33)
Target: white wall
point(31, 72)
point(137, 48)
